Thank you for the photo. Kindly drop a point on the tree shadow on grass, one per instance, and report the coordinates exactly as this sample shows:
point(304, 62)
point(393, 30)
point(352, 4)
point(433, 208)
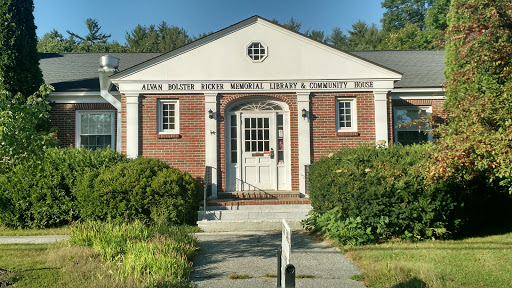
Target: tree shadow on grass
point(412, 283)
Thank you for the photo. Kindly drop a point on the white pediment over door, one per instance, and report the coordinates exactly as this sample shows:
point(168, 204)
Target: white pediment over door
point(223, 56)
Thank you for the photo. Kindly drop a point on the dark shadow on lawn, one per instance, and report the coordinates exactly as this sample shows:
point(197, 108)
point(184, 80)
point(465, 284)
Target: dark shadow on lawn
point(413, 283)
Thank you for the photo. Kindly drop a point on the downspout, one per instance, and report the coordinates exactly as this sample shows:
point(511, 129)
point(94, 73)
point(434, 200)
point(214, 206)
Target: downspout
point(108, 66)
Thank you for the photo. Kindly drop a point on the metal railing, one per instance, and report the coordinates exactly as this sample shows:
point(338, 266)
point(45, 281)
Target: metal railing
point(207, 188)
point(306, 178)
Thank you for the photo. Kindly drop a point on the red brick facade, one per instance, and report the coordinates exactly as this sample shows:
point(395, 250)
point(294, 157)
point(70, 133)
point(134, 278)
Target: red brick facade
point(186, 150)
point(324, 137)
point(63, 117)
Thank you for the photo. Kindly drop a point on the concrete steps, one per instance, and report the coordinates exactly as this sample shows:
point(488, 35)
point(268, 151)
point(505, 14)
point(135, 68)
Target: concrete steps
point(262, 215)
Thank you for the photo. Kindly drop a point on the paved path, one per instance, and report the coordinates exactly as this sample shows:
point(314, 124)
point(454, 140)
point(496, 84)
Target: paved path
point(32, 239)
point(254, 254)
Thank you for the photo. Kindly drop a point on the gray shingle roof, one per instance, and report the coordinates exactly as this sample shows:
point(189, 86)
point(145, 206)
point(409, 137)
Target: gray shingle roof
point(419, 68)
point(79, 71)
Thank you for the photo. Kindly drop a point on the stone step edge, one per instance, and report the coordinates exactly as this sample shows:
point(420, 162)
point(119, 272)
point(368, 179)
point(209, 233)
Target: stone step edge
point(220, 202)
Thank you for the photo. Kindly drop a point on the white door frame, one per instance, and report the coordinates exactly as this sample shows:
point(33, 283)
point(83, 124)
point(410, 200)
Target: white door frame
point(281, 171)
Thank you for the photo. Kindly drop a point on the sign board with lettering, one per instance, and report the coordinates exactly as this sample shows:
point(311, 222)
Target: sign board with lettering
point(286, 249)
point(252, 86)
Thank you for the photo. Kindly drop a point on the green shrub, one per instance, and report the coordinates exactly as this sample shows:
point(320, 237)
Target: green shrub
point(39, 194)
point(145, 189)
point(366, 194)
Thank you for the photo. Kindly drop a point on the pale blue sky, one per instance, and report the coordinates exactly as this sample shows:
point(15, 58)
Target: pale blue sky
point(197, 16)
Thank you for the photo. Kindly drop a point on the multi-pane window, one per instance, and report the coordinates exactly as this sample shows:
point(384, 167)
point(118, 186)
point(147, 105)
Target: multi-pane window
point(257, 134)
point(345, 115)
point(257, 51)
point(168, 116)
point(234, 152)
point(95, 129)
point(411, 133)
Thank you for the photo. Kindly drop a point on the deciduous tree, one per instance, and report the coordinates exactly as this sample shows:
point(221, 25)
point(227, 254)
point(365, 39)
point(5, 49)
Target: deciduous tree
point(477, 139)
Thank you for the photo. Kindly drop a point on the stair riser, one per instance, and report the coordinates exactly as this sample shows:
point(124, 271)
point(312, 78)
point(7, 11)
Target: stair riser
point(245, 226)
point(291, 207)
point(254, 215)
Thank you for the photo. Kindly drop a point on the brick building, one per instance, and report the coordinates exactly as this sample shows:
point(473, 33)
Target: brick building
point(255, 101)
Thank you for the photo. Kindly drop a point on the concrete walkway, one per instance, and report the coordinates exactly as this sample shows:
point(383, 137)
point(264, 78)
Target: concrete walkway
point(32, 239)
point(254, 254)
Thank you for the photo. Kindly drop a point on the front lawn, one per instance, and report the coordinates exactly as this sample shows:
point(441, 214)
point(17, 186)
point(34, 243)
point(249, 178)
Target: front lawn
point(473, 262)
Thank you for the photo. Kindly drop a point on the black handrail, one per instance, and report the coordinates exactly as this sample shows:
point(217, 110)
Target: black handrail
point(306, 178)
point(207, 188)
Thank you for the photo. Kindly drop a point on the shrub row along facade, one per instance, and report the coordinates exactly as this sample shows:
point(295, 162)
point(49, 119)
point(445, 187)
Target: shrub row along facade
point(255, 101)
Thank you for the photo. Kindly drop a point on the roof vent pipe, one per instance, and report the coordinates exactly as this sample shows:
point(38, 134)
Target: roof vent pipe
point(108, 63)
point(108, 66)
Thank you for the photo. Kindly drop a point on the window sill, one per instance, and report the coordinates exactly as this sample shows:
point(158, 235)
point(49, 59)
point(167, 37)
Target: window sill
point(348, 134)
point(169, 136)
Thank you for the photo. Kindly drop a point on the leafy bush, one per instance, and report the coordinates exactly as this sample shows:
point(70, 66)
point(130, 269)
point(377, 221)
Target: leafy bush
point(39, 194)
point(24, 131)
point(145, 189)
point(365, 194)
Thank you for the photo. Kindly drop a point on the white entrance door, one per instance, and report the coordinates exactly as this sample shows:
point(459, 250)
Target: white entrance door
point(258, 165)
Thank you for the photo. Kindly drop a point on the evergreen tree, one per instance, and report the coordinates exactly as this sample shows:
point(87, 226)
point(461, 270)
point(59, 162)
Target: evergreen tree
point(163, 38)
point(94, 35)
point(477, 139)
point(19, 59)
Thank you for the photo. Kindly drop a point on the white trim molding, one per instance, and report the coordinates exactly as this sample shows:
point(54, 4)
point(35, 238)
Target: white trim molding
point(132, 125)
point(211, 152)
point(381, 116)
point(303, 102)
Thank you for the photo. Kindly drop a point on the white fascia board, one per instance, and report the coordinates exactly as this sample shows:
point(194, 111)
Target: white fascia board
point(265, 86)
point(79, 97)
point(418, 93)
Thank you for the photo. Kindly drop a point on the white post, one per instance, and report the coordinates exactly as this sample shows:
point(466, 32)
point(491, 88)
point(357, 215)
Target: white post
point(132, 125)
point(381, 116)
point(304, 138)
point(210, 103)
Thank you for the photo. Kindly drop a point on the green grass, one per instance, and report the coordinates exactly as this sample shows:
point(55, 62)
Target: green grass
point(154, 256)
point(66, 230)
point(472, 262)
point(235, 276)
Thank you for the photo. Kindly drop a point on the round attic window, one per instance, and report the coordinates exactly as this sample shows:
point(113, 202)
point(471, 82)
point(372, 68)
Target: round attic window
point(257, 51)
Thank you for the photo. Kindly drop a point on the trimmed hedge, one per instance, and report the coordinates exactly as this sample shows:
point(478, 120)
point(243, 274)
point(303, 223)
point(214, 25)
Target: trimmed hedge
point(145, 189)
point(39, 194)
point(66, 185)
point(361, 195)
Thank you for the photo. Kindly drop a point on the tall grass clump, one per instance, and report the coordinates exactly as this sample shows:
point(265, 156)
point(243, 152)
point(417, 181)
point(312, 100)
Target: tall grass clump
point(153, 256)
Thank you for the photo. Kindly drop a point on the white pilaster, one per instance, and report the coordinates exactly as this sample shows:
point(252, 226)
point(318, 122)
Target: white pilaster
point(304, 138)
point(210, 103)
point(132, 125)
point(381, 116)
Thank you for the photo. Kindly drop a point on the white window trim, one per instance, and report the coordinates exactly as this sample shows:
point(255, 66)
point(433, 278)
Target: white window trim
point(78, 126)
point(176, 103)
point(353, 119)
point(262, 58)
point(427, 109)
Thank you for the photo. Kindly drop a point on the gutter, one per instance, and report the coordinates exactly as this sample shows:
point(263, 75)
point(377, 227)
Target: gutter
point(108, 66)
